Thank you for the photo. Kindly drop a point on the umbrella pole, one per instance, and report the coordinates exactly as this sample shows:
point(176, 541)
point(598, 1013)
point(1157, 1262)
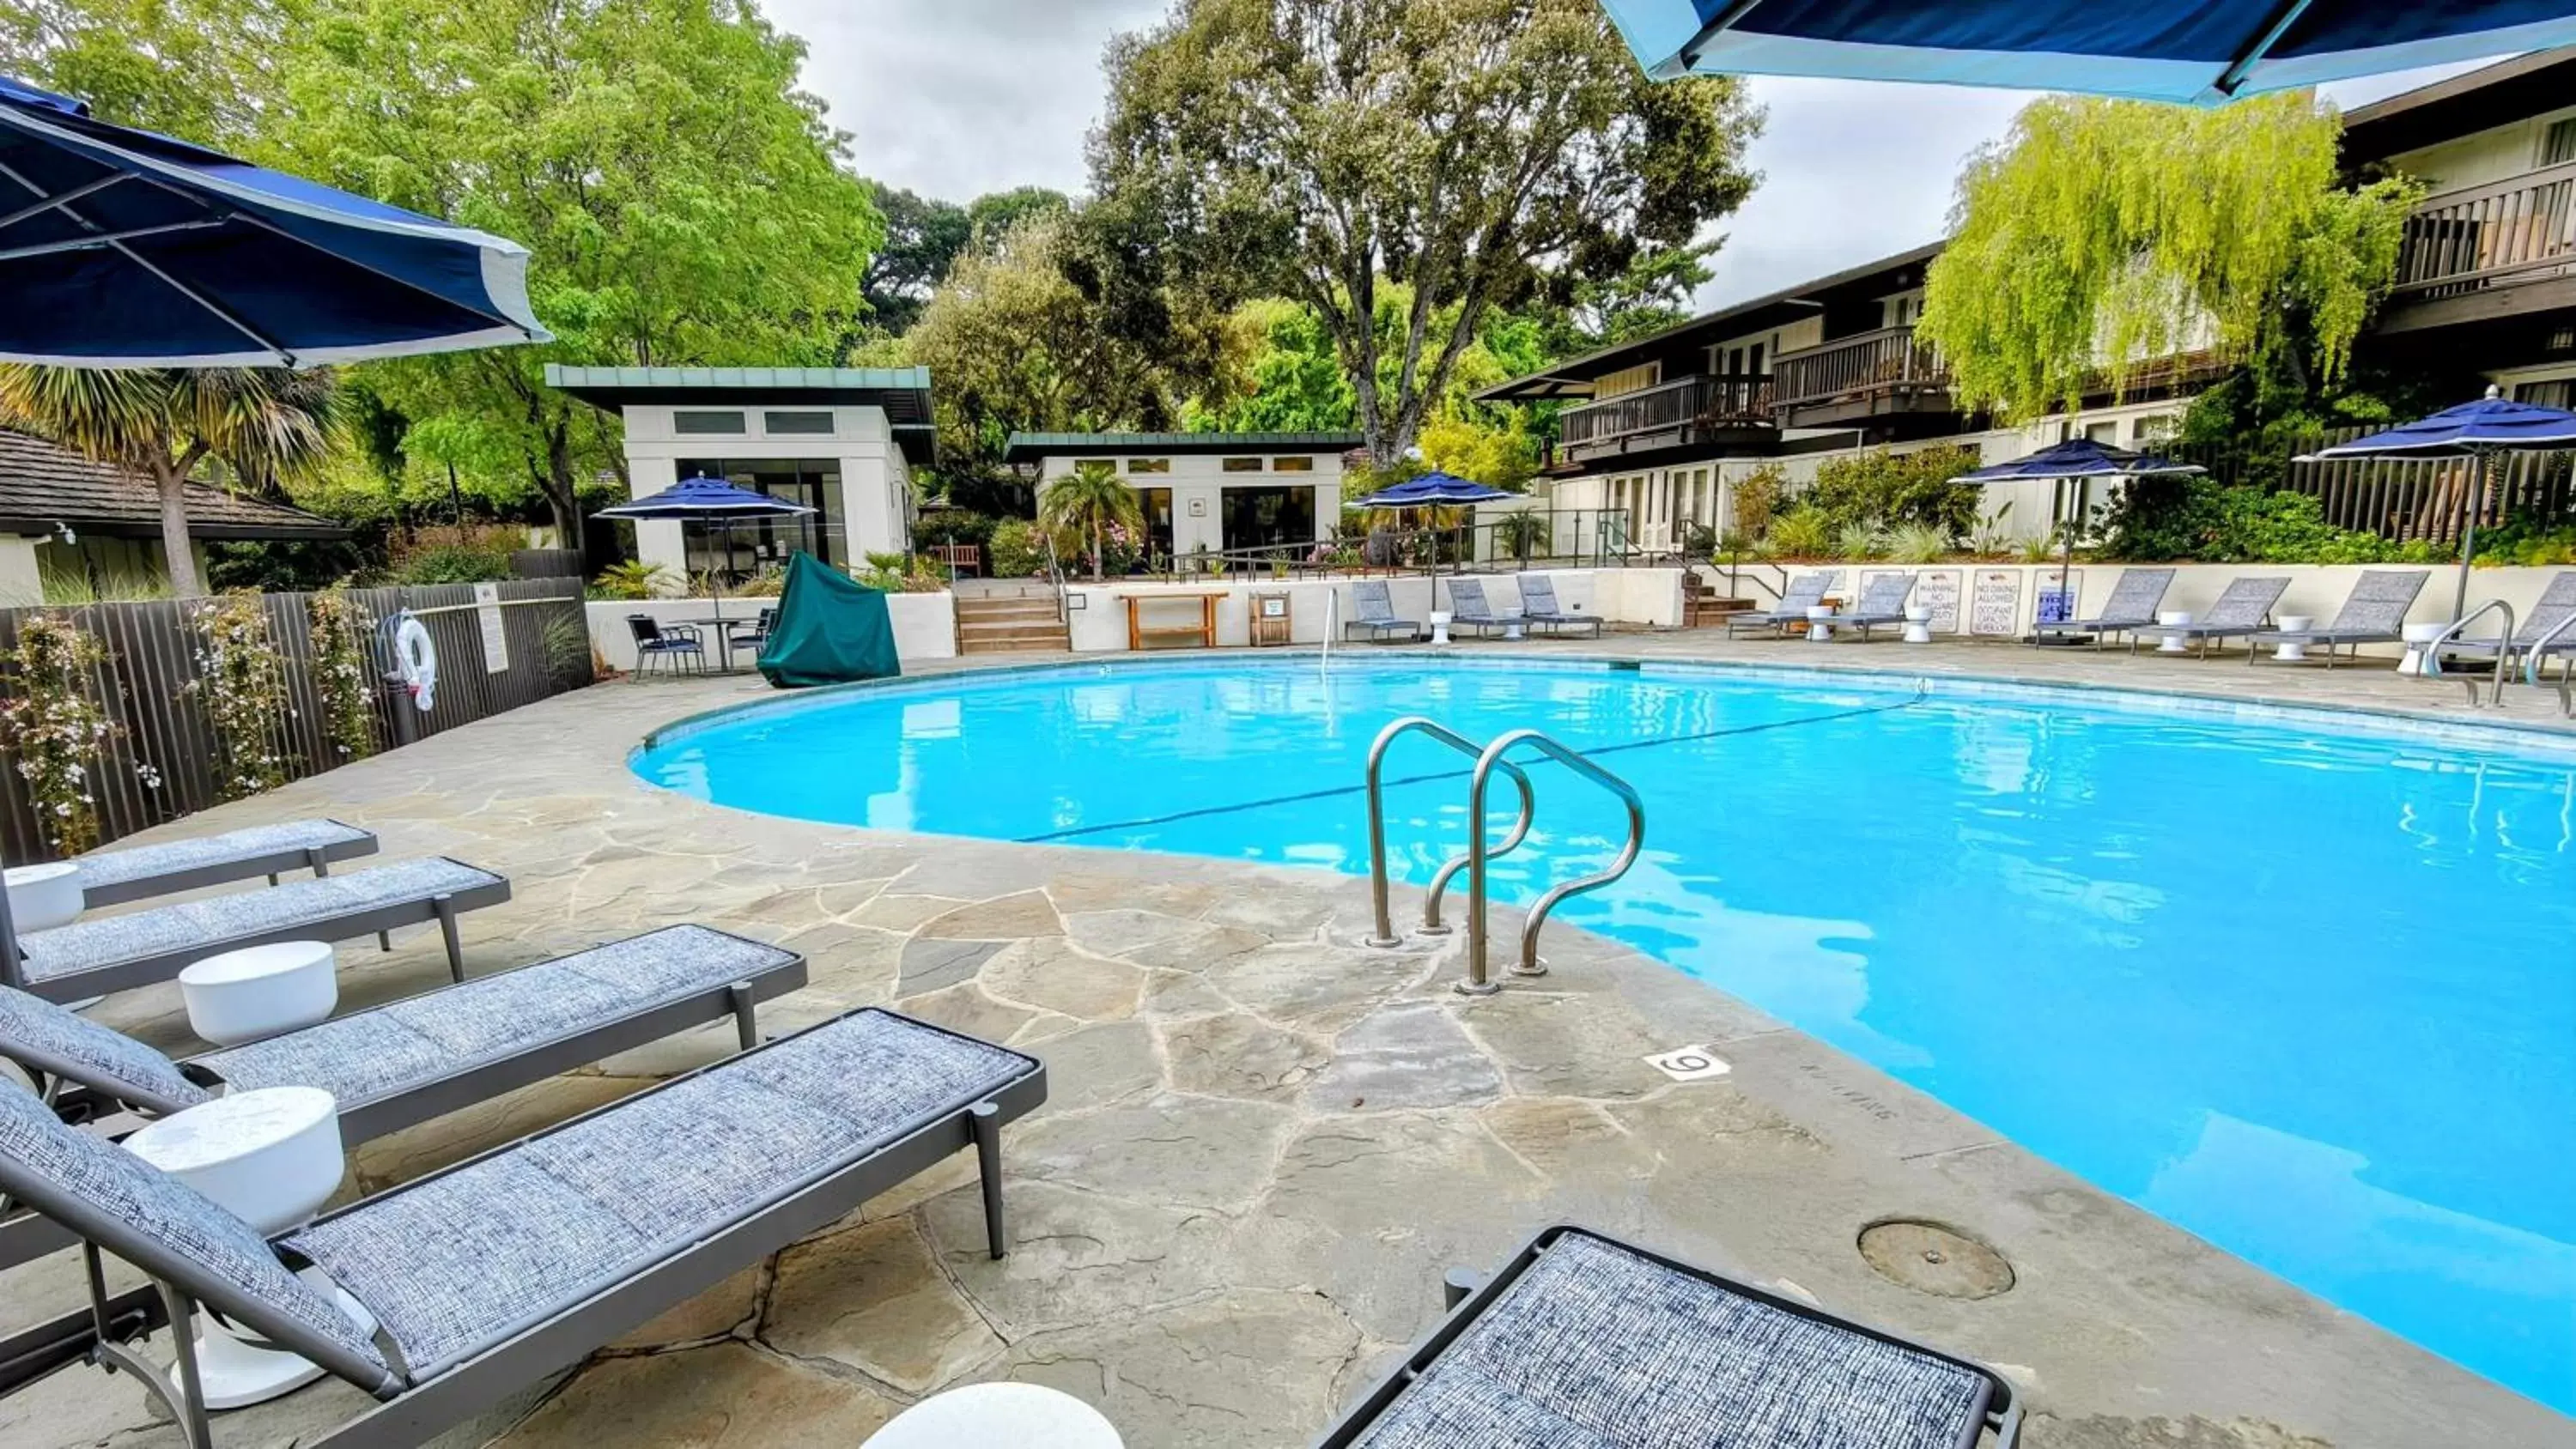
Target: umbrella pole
point(2469, 531)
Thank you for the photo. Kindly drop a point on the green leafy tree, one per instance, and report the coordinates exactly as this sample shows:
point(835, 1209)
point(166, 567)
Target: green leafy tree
point(263, 422)
point(1089, 502)
point(991, 217)
point(2099, 234)
point(188, 68)
point(923, 236)
point(1472, 150)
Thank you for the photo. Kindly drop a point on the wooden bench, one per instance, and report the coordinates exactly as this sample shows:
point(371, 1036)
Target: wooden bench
point(958, 557)
point(1204, 631)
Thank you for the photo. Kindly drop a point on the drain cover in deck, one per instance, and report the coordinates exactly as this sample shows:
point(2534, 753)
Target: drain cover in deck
point(1930, 1258)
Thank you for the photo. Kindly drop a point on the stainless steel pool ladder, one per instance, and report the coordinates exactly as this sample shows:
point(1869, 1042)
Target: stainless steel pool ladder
point(2431, 666)
point(1478, 855)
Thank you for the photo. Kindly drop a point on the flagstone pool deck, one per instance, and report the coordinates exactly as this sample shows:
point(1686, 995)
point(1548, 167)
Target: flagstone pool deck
point(1266, 1141)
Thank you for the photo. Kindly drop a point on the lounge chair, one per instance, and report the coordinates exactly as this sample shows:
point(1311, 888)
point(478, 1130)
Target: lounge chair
point(2373, 613)
point(1582, 1339)
point(92, 957)
point(403, 1063)
point(2132, 606)
point(1805, 591)
point(491, 1275)
point(2243, 609)
point(2549, 630)
point(138, 872)
point(1539, 606)
point(1468, 609)
point(1376, 609)
point(1882, 601)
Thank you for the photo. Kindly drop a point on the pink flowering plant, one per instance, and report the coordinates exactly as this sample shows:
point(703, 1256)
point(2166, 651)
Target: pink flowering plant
point(241, 685)
point(55, 729)
point(341, 628)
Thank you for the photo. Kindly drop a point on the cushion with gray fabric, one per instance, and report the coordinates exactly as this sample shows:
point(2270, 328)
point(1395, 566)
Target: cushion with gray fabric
point(1467, 604)
point(38, 1034)
point(456, 1262)
point(2375, 609)
point(210, 923)
point(153, 1215)
point(1595, 1347)
point(2557, 603)
point(2133, 601)
point(1376, 608)
point(370, 1054)
point(1538, 600)
point(2241, 609)
point(141, 862)
point(1882, 597)
point(1805, 591)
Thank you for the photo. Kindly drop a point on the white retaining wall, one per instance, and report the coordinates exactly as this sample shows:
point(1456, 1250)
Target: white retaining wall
point(1099, 611)
point(925, 625)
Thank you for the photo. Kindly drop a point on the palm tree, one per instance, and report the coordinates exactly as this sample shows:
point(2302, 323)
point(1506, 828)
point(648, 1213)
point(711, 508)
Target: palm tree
point(265, 423)
point(1090, 501)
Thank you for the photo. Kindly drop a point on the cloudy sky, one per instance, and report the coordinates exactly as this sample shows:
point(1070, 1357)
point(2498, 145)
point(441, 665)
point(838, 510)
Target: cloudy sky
point(955, 98)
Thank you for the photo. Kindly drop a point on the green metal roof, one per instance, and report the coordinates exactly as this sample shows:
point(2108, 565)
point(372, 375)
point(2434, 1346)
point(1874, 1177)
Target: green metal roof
point(1027, 447)
point(903, 392)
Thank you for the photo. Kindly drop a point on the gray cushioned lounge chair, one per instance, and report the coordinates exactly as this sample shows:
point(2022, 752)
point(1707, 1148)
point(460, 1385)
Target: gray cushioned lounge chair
point(2373, 613)
point(1805, 591)
point(1582, 1340)
point(1376, 609)
point(91, 957)
point(1468, 609)
point(2548, 632)
point(2243, 609)
point(1539, 606)
point(1882, 601)
point(490, 1275)
point(2132, 606)
point(408, 1061)
point(138, 872)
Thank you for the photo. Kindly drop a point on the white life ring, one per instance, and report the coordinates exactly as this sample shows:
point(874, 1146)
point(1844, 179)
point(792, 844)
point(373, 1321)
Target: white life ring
point(418, 658)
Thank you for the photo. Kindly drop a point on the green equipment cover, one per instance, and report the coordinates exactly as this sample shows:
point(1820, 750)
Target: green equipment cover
point(831, 629)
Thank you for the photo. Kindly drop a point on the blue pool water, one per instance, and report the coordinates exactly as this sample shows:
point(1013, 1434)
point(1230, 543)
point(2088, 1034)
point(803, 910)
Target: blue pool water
point(2311, 995)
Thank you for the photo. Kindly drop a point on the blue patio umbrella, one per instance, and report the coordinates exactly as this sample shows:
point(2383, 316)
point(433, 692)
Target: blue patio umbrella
point(2077, 461)
point(2203, 51)
point(1434, 489)
point(701, 499)
point(122, 248)
point(2480, 431)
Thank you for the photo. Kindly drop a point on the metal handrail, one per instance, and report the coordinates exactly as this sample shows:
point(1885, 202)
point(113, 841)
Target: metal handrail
point(1412, 724)
point(2432, 665)
point(1476, 984)
point(1432, 925)
point(1055, 575)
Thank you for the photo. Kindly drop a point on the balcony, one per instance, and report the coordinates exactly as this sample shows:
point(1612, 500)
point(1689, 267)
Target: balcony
point(1873, 374)
point(1699, 410)
point(2490, 251)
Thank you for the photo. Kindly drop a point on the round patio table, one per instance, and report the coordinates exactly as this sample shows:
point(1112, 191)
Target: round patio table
point(998, 1416)
point(723, 627)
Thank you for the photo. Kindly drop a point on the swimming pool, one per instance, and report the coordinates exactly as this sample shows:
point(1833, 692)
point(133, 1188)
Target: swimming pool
point(2308, 991)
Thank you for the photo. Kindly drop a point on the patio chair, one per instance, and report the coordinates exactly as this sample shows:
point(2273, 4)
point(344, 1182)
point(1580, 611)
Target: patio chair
point(1468, 609)
point(401, 1064)
point(112, 953)
point(2132, 606)
point(490, 1276)
point(1375, 606)
point(2243, 609)
point(1583, 1339)
point(1882, 601)
point(1805, 591)
point(138, 872)
point(2549, 630)
point(2373, 613)
point(755, 635)
point(677, 645)
point(1539, 606)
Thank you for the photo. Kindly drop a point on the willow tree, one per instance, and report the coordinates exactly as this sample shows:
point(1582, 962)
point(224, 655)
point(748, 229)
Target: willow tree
point(2100, 234)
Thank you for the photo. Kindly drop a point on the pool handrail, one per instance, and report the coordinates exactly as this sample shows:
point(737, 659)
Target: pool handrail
point(1411, 724)
point(2432, 665)
point(1432, 925)
point(1476, 983)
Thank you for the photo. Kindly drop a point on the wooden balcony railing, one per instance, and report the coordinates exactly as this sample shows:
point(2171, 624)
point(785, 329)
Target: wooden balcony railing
point(2516, 230)
point(1707, 401)
point(1854, 367)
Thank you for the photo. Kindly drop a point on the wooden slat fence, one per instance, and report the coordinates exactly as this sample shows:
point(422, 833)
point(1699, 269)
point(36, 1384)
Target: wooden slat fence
point(2399, 499)
point(151, 660)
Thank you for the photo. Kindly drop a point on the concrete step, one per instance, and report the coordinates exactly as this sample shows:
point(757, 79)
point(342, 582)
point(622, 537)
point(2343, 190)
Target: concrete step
point(1058, 644)
point(1007, 609)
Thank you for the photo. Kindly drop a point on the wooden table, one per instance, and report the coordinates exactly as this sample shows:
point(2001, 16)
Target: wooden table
point(1204, 630)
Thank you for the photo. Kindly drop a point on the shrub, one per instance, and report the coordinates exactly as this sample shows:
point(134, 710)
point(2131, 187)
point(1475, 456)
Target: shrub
point(2198, 519)
point(1757, 499)
point(1917, 543)
point(1520, 534)
point(1888, 488)
point(768, 583)
point(1016, 550)
point(341, 674)
point(241, 682)
point(450, 563)
point(954, 525)
point(1859, 539)
point(631, 579)
point(1802, 532)
point(55, 730)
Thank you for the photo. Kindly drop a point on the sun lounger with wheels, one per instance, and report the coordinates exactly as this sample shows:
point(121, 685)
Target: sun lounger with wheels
point(1376, 609)
point(1585, 1340)
point(2548, 632)
point(405, 1062)
point(2373, 613)
point(139, 872)
point(1469, 610)
point(1539, 606)
point(112, 953)
point(1882, 601)
point(2132, 606)
point(1805, 591)
point(2244, 608)
point(490, 1276)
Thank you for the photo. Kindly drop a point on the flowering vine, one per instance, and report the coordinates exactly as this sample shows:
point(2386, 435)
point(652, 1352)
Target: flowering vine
point(341, 628)
point(242, 685)
point(55, 730)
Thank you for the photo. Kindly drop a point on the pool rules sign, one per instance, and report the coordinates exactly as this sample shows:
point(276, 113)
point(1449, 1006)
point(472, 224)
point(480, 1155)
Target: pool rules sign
point(487, 617)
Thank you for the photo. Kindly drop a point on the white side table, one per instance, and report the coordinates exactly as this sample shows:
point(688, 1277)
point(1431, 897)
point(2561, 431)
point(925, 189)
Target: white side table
point(2417, 636)
point(260, 991)
point(42, 897)
point(1820, 625)
point(272, 1156)
point(997, 1416)
point(2173, 619)
point(2294, 650)
point(1918, 624)
point(1440, 625)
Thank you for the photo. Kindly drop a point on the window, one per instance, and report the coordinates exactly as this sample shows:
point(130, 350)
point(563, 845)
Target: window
point(1292, 465)
point(701, 424)
point(2558, 143)
point(2155, 429)
point(1757, 369)
point(812, 423)
point(1243, 465)
point(1149, 465)
point(2555, 393)
point(2105, 433)
point(1902, 310)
